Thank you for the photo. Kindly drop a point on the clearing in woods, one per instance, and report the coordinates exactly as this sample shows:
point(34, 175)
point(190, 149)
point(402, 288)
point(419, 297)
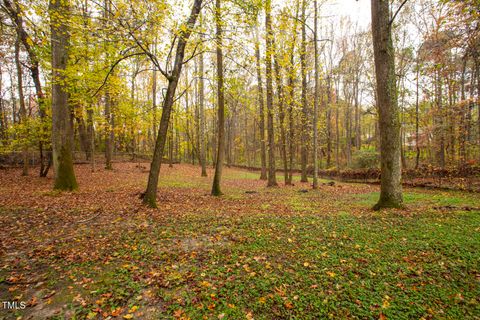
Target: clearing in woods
point(257, 252)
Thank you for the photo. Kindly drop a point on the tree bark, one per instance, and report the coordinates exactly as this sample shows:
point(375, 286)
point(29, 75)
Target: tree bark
point(291, 96)
point(389, 122)
point(15, 15)
point(417, 157)
point(62, 130)
point(329, 123)
point(315, 98)
point(216, 188)
point(303, 67)
point(263, 149)
point(150, 195)
point(23, 110)
point(281, 112)
point(108, 111)
point(201, 112)
point(272, 178)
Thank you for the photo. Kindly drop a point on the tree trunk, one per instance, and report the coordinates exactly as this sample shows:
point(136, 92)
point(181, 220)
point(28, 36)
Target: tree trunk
point(272, 178)
point(23, 110)
point(329, 123)
point(291, 97)
point(3, 118)
point(303, 67)
point(417, 158)
point(216, 189)
point(389, 122)
point(91, 135)
point(315, 99)
point(201, 112)
point(16, 16)
point(281, 111)
point(62, 130)
point(83, 133)
point(108, 112)
point(263, 149)
point(440, 130)
point(150, 195)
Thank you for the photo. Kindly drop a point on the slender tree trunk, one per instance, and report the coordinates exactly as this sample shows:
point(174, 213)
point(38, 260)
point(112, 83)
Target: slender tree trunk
point(201, 111)
point(154, 96)
point(16, 16)
point(477, 64)
point(389, 122)
point(315, 99)
point(329, 123)
point(272, 178)
point(303, 67)
point(82, 133)
point(281, 111)
point(216, 188)
point(3, 119)
point(150, 194)
point(417, 140)
point(108, 111)
point(62, 130)
point(91, 134)
point(23, 110)
point(263, 149)
point(291, 97)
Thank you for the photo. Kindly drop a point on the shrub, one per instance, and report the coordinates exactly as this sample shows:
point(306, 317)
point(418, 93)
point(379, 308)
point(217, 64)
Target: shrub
point(365, 158)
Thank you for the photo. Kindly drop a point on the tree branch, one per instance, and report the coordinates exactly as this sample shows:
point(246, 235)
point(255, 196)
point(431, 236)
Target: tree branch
point(396, 12)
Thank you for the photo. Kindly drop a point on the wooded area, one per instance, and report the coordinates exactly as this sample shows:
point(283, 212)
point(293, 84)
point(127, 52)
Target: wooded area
point(221, 114)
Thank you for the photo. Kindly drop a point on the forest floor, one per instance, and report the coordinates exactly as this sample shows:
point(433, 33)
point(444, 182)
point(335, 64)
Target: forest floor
point(254, 253)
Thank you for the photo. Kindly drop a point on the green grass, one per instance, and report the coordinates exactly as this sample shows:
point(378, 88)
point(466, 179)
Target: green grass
point(308, 261)
point(437, 198)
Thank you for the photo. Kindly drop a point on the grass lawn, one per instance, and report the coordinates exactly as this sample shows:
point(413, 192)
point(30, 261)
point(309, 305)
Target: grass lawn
point(272, 253)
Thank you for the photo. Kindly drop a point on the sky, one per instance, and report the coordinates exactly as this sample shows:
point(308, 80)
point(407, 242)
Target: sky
point(357, 10)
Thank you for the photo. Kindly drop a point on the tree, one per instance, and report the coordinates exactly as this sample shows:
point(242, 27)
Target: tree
point(388, 114)
point(16, 15)
point(303, 67)
point(109, 133)
point(21, 98)
point(315, 99)
point(201, 110)
point(272, 178)
point(216, 188)
point(263, 149)
point(62, 131)
point(172, 77)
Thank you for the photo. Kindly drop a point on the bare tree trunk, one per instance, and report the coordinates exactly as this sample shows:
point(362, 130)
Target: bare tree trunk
point(201, 111)
point(83, 134)
point(150, 194)
point(291, 97)
point(62, 130)
point(303, 67)
point(417, 158)
point(477, 64)
point(337, 137)
point(216, 189)
point(263, 149)
point(281, 111)
point(23, 110)
point(389, 122)
point(272, 178)
point(315, 99)
point(3, 119)
point(329, 123)
point(16, 17)
point(154, 95)
point(91, 134)
point(108, 112)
